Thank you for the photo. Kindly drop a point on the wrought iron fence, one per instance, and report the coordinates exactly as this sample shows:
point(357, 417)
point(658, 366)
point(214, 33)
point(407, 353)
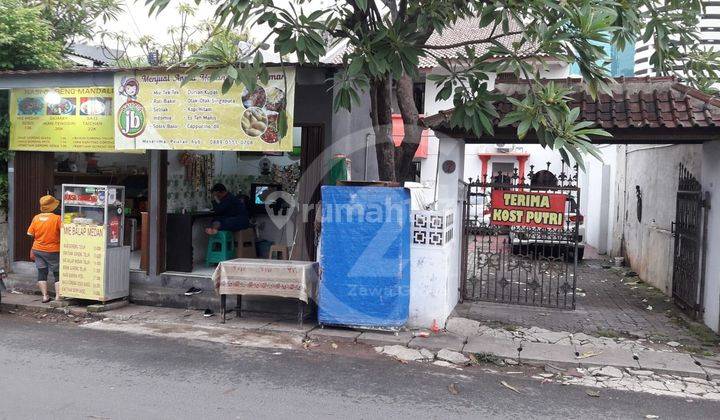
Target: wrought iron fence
point(516, 264)
point(690, 232)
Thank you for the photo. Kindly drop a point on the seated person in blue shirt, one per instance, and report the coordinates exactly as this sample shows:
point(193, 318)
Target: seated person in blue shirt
point(230, 212)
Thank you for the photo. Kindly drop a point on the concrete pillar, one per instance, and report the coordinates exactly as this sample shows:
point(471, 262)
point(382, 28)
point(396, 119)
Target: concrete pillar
point(157, 212)
point(436, 246)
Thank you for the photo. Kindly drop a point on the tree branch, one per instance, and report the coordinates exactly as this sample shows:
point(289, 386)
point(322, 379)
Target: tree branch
point(381, 113)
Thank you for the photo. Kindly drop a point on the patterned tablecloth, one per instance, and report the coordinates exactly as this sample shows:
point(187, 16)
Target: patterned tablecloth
point(247, 276)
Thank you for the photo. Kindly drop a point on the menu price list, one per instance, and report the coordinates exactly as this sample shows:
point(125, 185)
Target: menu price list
point(82, 261)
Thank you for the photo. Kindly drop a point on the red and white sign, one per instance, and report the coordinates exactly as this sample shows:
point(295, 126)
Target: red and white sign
point(529, 209)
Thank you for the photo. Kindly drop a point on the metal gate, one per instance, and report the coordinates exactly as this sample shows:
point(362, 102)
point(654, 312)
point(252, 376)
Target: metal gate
point(690, 233)
point(522, 265)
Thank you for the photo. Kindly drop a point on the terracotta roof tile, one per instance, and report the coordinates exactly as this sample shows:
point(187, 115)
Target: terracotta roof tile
point(634, 102)
point(465, 30)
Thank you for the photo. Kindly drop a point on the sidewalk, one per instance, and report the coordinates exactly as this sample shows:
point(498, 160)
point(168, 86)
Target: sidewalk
point(536, 345)
point(611, 302)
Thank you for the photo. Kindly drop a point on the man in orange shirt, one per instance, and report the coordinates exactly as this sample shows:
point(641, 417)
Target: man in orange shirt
point(45, 230)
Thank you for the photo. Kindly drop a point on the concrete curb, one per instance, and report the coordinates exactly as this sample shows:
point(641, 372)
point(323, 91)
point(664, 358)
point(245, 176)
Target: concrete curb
point(45, 308)
point(571, 356)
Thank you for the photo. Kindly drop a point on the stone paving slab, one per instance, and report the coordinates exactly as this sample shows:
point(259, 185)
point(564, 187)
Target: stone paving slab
point(669, 362)
point(438, 342)
point(130, 311)
point(336, 334)
point(608, 302)
point(609, 357)
point(498, 347)
point(374, 338)
point(665, 362)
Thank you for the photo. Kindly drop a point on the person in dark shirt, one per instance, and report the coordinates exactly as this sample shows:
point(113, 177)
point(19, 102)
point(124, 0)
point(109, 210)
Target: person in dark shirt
point(230, 212)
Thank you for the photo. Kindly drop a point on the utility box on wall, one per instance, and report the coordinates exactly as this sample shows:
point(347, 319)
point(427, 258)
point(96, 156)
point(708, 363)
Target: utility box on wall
point(431, 253)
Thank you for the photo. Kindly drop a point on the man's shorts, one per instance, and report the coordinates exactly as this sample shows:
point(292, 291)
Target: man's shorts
point(47, 260)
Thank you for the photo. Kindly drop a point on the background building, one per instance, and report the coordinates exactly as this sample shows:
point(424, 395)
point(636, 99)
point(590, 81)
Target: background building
point(709, 34)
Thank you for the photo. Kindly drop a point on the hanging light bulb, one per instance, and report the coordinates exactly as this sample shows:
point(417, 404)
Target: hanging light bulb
point(52, 97)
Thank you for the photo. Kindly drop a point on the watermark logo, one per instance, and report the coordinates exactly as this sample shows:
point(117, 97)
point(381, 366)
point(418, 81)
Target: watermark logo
point(131, 119)
point(280, 206)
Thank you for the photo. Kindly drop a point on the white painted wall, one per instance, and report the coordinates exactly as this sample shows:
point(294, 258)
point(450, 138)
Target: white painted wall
point(648, 244)
point(600, 190)
point(711, 183)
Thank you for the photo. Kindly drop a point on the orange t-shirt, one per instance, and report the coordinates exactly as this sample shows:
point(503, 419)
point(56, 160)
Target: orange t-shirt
point(45, 229)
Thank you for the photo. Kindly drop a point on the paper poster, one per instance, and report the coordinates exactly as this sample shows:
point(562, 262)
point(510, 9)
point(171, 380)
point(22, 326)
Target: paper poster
point(82, 261)
point(62, 120)
point(529, 209)
point(153, 110)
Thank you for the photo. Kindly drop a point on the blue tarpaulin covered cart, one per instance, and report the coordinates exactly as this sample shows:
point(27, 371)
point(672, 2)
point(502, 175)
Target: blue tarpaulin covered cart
point(364, 257)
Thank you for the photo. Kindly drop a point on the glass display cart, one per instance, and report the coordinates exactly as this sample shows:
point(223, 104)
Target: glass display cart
point(94, 264)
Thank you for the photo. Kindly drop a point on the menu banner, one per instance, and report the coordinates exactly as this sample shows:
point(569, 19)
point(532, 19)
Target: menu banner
point(82, 261)
point(62, 120)
point(154, 110)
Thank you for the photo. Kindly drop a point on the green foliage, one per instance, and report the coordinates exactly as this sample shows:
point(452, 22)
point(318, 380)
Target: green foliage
point(385, 40)
point(5, 154)
point(72, 19)
point(26, 39)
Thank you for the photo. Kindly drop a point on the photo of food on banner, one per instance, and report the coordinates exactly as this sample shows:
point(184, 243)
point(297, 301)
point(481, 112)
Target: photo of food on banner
point(263, 107)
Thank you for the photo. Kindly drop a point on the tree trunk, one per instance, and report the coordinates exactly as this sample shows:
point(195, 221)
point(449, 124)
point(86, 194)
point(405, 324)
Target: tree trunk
point(411, 139)
point(381, 115)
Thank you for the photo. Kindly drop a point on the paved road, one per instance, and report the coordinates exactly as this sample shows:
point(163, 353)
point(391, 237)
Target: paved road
point(62, 371)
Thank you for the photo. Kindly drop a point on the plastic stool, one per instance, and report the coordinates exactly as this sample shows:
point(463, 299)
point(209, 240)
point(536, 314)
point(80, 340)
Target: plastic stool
point(245, 243)
point(278, 252)
point(221, 247)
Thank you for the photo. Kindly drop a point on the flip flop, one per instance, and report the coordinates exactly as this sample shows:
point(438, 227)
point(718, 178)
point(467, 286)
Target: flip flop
point(46, 300)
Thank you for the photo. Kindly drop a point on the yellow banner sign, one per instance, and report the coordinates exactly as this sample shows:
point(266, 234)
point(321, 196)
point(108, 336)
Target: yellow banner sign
point(153, 110)
point(82, 261)
point(65, 119)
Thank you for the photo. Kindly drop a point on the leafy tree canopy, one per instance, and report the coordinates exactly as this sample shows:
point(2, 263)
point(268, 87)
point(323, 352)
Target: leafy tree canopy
point(385, 40)
point(185, 37)
point(74, 19)
point(26, 38)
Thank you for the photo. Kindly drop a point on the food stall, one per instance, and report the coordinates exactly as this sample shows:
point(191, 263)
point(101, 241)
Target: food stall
point(179, 139)
point(91, 243)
